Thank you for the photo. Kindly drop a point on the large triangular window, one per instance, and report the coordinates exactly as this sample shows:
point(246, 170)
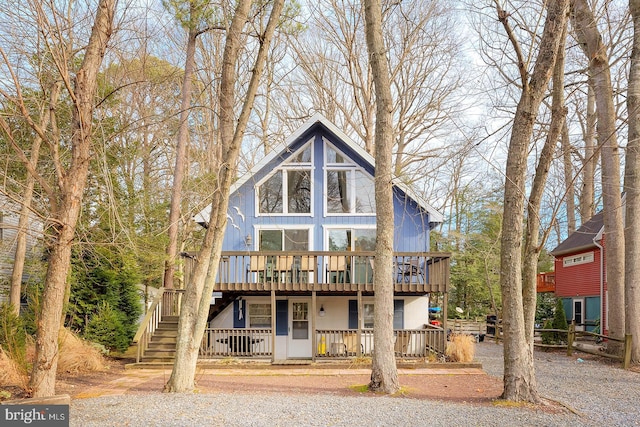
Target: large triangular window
point(288, 189)
point(348, 188)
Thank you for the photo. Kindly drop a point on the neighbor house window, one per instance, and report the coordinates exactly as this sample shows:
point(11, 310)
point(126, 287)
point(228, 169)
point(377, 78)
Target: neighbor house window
point(577, 259)
point(259, 315)
point(288, 189)
point(348, 189)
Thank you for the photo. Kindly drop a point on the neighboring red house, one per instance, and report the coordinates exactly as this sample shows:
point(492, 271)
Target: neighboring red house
point(579, 274)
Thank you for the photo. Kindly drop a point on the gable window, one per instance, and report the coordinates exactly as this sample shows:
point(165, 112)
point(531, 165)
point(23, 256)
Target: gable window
point(288, 189)
point(348, 189)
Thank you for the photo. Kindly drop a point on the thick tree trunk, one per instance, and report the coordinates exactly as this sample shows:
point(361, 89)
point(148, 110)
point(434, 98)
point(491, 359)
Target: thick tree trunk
point(533, 242)
point(519, 376)
point(181, 159)
point(632, 191)
point(195, 303)
point(67, 207)
point(384, 373)
point(591, 42)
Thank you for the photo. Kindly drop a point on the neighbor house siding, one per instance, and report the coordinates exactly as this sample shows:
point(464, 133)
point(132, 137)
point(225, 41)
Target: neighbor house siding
point(578, 280)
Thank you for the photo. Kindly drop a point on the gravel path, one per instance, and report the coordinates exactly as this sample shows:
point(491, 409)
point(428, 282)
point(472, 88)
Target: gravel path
point(597, 393)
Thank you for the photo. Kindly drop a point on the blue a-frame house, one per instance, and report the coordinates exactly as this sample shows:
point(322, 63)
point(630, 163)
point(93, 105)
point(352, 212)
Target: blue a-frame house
point(295, 276)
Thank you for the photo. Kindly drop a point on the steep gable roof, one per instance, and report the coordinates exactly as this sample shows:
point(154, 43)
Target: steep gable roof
point(583, 238)
point(434, 216)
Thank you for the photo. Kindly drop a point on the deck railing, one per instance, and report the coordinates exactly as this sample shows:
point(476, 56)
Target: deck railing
point(326, 271)
point(166, 303)
point(331, 343)
point(409, 343)
point(254, 342)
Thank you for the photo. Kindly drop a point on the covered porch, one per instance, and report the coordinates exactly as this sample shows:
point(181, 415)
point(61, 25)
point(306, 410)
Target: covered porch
point(304, 278)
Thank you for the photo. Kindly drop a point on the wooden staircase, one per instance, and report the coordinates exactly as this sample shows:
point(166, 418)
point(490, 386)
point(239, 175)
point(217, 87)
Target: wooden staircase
point(162, 346)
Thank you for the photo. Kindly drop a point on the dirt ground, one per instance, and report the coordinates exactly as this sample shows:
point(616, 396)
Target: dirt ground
point(447, 384)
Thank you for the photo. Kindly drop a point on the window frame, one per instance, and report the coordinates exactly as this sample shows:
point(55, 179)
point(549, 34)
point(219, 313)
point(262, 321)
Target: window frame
point(267, 227)
point(251, 315)
point(284, 168)
point(352, 169)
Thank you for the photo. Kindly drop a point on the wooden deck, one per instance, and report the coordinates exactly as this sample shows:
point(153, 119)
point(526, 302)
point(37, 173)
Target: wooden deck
point(341, 272)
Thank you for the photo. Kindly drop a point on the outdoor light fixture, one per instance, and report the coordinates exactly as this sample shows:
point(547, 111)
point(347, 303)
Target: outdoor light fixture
point(322, 312)
point(248, 240)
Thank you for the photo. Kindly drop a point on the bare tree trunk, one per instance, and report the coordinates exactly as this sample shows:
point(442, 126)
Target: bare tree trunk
point(570, 193)
point(590, 40)
point(519, 376)
point(67, 206)
point(632, 191)
point(195, 303)
point(25, 209)
point(384, 373)
point(587, 196)
point(533, 242)
point(181, 157)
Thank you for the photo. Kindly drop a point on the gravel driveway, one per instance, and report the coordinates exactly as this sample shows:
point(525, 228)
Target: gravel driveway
point(598, 395)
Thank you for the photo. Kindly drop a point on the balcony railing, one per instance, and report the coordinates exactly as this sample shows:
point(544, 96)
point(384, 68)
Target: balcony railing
point(331, 343)
point(326, 271)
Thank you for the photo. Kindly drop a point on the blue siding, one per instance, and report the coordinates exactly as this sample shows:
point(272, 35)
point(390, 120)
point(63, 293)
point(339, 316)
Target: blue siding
point(412, 224)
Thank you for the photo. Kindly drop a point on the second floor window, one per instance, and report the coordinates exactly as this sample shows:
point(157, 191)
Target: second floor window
point(348, 189)
point(288, 190)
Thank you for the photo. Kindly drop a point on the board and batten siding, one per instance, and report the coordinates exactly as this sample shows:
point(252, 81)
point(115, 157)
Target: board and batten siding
point(412, 224)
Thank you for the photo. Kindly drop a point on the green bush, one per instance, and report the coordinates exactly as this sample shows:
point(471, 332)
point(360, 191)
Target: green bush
point(13, 338)
point(106, 327)
point(547, 336)
point(560, 321)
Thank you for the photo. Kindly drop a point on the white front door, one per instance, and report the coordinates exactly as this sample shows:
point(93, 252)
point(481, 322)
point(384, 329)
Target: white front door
point(299, 345)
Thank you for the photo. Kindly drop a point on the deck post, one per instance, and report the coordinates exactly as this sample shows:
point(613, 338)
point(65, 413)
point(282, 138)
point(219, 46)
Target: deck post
point(314, 338)
point(359, 330)
point(626, 357)
point(273, 325)
point(571, 336)
point(445, 315)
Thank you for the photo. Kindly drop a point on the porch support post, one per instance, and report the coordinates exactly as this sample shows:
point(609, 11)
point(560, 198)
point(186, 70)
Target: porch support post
point(314, 335)
point(445, 326)
point(359, 330)
point(273, 325)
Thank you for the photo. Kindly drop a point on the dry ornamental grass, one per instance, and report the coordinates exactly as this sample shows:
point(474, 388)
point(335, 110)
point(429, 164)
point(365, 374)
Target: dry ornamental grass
point(461, 348)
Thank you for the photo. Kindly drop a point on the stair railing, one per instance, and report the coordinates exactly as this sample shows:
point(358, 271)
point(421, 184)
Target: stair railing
point(149, 324)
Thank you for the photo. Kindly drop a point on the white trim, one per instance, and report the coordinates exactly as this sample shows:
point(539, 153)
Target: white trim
point(258, 227)
point(327, 228)
point(584, 258)
point(434, 215)
point(353, 168)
